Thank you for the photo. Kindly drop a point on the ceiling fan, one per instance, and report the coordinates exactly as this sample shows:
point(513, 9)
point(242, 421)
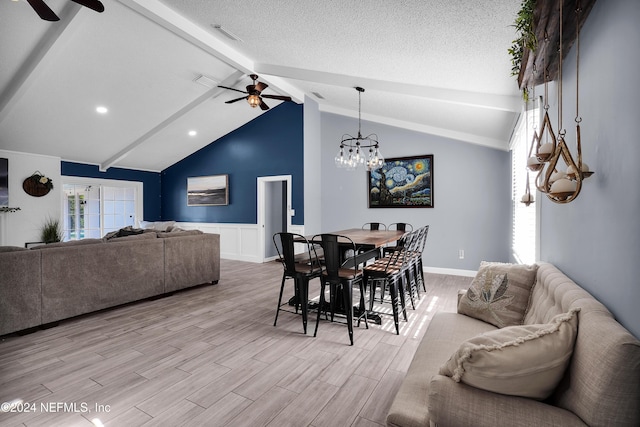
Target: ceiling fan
point(254, 94)
point(47, 14)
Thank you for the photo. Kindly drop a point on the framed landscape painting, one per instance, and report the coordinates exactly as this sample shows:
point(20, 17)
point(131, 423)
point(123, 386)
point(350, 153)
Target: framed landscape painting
point(402, 182)
point(208, 190)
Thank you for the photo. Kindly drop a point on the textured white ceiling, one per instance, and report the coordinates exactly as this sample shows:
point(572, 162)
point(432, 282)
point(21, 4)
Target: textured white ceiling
point(434, 66)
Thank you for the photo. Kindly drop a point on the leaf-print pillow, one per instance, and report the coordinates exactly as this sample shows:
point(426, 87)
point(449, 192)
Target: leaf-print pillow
point(499, 294)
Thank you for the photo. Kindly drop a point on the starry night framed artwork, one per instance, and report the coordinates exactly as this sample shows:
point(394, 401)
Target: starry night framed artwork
point(402, 182)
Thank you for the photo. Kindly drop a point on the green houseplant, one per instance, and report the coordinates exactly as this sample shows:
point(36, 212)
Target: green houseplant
point(525, 38)
point(51, 231)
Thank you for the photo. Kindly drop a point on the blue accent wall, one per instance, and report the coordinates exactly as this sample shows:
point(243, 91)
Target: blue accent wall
point(271, 144)
point(150, 180)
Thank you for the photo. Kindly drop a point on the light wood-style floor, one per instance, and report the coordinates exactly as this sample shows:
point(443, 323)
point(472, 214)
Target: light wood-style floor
point(210, 356)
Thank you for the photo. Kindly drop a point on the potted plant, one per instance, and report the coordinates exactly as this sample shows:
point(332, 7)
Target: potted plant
point(51, 231)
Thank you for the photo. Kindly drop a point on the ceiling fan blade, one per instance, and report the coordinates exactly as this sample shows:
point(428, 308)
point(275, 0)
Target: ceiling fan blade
point(281, 98)
point(236, 100)
point(91, 4)
point(43, 10)
point(232, 88)
point(263, 106)
point(261, 86)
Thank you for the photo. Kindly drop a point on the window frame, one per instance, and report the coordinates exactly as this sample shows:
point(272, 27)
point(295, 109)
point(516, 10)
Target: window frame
point(523, 134)
point(103, 182)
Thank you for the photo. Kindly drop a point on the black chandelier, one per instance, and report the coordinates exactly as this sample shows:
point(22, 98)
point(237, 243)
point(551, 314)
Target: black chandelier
point(352, 149)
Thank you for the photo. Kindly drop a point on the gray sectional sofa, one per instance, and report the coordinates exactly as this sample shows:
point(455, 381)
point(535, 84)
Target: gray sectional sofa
point(598, 386)
point(61, 280)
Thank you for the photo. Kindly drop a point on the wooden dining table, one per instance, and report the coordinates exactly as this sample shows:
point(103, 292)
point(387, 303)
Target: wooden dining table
point(368, 242)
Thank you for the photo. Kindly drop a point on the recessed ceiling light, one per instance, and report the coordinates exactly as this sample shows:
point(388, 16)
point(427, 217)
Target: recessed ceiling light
point(192, 133)
point(102, 110)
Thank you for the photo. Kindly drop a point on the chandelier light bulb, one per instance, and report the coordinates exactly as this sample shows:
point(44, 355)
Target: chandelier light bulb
point(339, 159)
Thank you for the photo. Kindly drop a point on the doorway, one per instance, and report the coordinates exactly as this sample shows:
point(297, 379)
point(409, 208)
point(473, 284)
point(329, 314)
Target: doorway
point(274, 211)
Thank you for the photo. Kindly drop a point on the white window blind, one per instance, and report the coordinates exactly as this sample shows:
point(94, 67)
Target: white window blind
point(523, 233)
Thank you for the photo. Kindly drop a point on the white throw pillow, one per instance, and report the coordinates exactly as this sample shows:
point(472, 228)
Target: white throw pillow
point(527, 360)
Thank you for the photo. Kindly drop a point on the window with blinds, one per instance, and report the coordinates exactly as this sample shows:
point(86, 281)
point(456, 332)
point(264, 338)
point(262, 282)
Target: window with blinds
point(524, 222)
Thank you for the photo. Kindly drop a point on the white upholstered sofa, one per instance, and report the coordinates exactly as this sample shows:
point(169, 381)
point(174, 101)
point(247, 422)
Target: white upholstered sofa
point(600, 386)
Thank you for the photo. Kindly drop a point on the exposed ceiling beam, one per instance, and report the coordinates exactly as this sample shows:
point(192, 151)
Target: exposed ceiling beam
point(418, 127)
point(19, 82)
point(212, 93)
point(196, 35)
point(474, 99)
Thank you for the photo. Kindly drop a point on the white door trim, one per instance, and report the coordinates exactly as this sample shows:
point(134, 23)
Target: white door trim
point(262, 180)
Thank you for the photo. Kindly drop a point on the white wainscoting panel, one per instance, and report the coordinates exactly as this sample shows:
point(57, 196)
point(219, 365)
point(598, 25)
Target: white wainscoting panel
point(237, 241)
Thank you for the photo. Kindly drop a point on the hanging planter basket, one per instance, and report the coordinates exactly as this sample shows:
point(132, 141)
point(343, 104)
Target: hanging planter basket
point(37, 185)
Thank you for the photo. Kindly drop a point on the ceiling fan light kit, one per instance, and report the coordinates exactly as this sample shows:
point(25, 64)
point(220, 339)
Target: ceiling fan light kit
point(351, 153)
point(560, 185)
point(254, 94)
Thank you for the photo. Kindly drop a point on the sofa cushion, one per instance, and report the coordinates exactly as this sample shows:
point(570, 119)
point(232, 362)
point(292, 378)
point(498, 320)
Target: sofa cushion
point(443, 336)
point(499, 294)
point(11, 249)
point(139, 236)
point(179, 233)
point(157, 225)
point(67, 244)
point(527, 361)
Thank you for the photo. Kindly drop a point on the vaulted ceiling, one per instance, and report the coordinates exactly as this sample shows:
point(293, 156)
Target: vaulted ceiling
point(435, 66)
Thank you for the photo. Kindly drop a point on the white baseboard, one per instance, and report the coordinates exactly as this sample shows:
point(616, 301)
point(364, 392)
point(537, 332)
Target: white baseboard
point(450, 271)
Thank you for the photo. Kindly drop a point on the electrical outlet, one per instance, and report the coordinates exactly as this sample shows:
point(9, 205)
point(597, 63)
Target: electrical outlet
point(461, 253)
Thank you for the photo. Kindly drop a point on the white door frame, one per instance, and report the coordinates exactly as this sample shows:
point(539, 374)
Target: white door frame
point(262, 180)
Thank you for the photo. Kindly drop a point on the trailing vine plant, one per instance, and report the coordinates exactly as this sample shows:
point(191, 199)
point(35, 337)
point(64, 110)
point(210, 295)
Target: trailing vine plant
point(526, 38)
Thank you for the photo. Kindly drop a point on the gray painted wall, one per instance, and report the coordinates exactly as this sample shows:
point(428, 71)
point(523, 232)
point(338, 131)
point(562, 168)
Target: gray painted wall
point(471, 193)
point(312, 172)
point(595, 240)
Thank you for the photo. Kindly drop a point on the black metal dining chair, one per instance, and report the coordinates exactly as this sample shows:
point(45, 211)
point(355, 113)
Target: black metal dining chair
point(341, 275)
point(374, 226)
point(399, 226)
point(301, 268)
point(391, 272)
point(417, 255)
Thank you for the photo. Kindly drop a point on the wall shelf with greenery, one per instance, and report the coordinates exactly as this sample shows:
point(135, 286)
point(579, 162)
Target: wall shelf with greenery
point(546, 25)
